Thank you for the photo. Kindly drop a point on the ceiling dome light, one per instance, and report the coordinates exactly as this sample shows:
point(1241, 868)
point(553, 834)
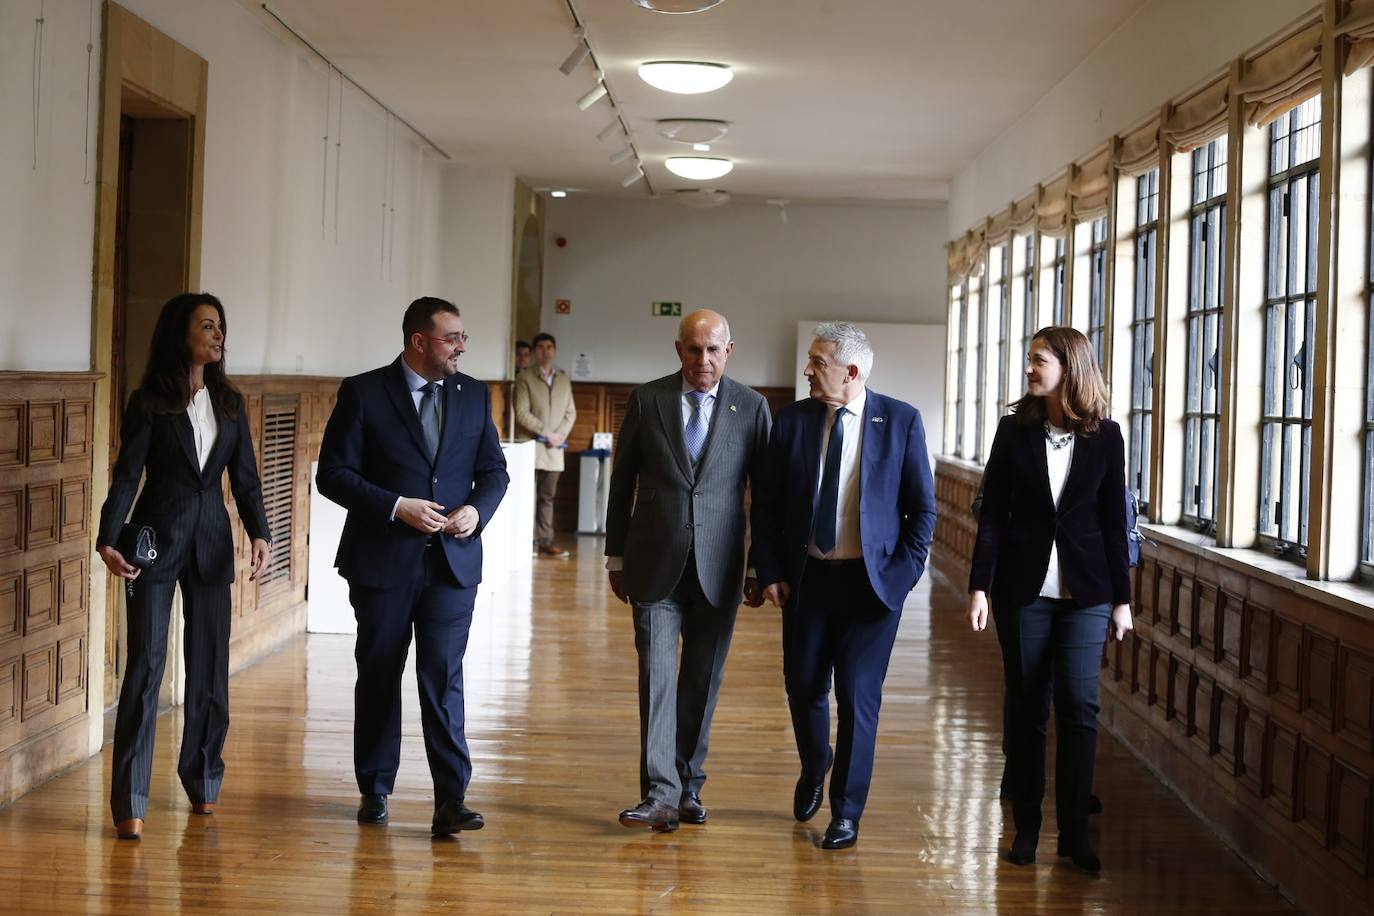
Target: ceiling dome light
point(698, 168)
point(677, 7)
point(702, 198)
point(685, 77)
point(692, 130)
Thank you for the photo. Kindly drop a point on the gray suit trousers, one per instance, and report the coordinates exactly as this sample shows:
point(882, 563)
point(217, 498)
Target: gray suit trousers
point(675, 705)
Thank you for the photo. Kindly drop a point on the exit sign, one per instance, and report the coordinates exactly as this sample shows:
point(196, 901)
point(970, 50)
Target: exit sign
point(666, 310)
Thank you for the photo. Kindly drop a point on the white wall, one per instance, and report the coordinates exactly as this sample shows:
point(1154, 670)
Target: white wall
point(1166, 48)
point(866, 263)
point(475, 273)
point(301, 297)
point(49, 211)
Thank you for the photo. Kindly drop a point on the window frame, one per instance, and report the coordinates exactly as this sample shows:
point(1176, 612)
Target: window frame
point(1059, 312)
point(1145, 238)
point(1282, 245)
point(1203, 311)
point(1097, 289)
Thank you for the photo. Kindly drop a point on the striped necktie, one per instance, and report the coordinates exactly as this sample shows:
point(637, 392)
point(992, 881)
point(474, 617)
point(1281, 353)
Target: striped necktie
point(695, 433)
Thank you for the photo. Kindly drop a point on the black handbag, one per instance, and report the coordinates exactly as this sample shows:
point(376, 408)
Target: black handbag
point(138, 545)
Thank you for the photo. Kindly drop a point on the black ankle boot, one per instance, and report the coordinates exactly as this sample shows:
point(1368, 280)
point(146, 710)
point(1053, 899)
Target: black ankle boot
point(1027, 837)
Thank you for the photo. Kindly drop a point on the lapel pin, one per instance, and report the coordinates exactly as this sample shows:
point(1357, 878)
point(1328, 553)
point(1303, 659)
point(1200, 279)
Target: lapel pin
point(732, 409)
point(458, 387)
point(877, 419)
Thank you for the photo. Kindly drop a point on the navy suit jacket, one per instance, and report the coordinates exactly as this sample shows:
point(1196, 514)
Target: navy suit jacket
point(896, 496)
point(374, 452)
point(181, 503)
point(1019, 521)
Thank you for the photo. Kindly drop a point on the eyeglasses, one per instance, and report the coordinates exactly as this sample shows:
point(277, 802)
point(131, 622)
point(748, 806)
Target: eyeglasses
point(452, 340)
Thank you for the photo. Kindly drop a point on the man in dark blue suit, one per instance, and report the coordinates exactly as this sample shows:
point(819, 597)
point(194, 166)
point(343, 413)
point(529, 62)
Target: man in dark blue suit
point(411, 452)
point(842, 528)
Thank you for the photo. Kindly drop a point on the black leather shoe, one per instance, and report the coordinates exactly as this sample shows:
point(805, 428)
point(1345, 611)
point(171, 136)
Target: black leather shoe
point(1027, 838)
point(1080, 853)
point(453, 816)
point(652, 814)
point(841, 834)
point(691, 810)
point(807, 797)
point(372, 810)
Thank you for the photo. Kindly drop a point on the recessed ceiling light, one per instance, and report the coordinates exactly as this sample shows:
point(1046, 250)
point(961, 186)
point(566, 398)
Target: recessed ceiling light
point(698, 168)
point(685, 77)
point(692, 130)
point(558, 193)
point(702, 147)
point(677, 7)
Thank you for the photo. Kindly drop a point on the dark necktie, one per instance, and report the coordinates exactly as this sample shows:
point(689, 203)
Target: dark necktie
point(827, 504)
point(429, 417)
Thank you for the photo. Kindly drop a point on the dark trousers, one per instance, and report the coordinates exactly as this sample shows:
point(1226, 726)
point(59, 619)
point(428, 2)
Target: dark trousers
point(676, 702)
point(1052, 642)
point(439, 611)
point(206, 610)
point(836, 624)
point(545, 489)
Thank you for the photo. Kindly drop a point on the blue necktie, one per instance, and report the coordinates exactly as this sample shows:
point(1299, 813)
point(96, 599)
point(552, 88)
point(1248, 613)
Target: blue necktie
point(695, 433)
point(827, 504)
point(429, 417)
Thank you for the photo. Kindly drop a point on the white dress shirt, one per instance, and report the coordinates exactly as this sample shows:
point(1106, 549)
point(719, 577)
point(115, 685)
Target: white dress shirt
point(1057, 461)
point(203, 424)
point(848, 540)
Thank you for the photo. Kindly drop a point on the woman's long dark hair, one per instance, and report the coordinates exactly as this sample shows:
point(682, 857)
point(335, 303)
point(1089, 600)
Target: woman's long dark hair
point(167, 380)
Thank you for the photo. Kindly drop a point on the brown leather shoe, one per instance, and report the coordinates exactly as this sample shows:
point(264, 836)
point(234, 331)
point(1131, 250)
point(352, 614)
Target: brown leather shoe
point(131, 829)
point(202, 807)
point(548, 550)
point(655, 815)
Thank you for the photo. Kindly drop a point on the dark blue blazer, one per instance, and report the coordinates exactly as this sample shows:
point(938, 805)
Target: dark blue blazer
point(181, 503)
point(1019, 521)
point(896, 496)
point(374, 452)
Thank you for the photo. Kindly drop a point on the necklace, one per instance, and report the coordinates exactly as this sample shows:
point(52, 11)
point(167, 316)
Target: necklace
point(1057, 441)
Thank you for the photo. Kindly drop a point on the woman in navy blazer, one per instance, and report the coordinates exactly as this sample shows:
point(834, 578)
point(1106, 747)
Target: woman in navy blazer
point(184, 426)
point(1051, 550)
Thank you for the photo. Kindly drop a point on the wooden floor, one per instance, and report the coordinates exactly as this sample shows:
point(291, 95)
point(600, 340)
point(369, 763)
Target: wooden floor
point(553, 730)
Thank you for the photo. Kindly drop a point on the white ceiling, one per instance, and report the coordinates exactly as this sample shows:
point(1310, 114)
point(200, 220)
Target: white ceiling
point(832, 99)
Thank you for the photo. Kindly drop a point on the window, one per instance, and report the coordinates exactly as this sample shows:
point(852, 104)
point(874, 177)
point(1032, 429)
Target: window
point(974, 302)
point(1060, 315)
point(999, 310)
point(1206, 266)
point(1097, 289)
point(1289, 320)
point(1030, 320)
point(960, 359)
point(1367, 540)
point(1143, 336)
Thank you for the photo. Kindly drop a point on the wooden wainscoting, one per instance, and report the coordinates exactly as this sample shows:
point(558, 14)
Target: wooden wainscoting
point(45, 550)
point(286, 414)
point(1250, 694)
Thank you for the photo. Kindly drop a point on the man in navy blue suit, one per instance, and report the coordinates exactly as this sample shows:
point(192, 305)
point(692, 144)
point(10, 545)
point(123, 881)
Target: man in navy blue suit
point(842, 528)
point(411, 452)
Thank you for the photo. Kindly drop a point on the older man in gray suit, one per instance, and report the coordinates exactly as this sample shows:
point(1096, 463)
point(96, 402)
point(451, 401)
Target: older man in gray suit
point(675, 551)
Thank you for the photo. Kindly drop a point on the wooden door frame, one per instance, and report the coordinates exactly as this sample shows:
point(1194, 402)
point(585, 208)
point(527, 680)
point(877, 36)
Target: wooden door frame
point(143, 71)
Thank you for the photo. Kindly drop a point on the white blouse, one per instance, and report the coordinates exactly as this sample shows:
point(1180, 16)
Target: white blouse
point(1057, 461)
point(203, 424)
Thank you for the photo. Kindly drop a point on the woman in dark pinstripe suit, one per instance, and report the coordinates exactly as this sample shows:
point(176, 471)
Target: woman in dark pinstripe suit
point(183, 428)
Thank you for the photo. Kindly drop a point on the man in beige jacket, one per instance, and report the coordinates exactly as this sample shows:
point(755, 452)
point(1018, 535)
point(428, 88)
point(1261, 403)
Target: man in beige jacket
point(544, 412)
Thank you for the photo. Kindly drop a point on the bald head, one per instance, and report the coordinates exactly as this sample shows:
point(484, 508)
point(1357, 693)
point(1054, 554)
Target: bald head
point(703, 345)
